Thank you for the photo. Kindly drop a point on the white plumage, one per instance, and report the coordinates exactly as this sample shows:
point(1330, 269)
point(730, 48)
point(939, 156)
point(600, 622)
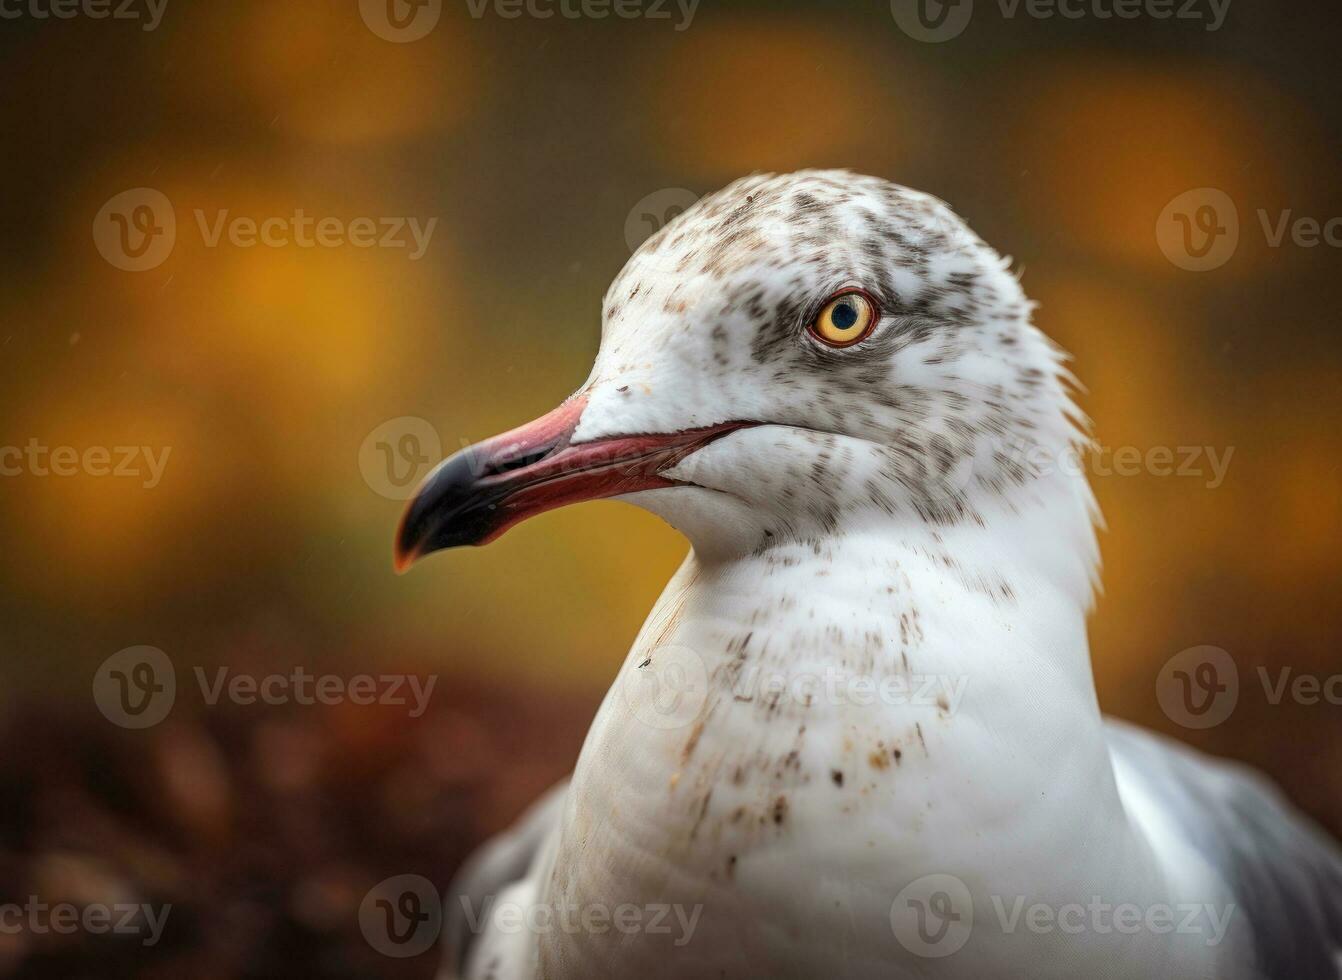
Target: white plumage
point(858, 736)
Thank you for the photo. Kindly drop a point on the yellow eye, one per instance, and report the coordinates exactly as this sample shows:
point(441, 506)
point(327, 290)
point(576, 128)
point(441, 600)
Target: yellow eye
point(845, 319)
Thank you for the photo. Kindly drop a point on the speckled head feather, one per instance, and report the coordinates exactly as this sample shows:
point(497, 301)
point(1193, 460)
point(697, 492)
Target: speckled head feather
point(954, 407)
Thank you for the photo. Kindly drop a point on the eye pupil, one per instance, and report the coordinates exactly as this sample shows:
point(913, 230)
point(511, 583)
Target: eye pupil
point(844, 316)
point(846, 319)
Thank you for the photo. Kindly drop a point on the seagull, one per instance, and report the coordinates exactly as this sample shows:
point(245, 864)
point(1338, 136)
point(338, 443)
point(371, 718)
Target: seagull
point(858, 735)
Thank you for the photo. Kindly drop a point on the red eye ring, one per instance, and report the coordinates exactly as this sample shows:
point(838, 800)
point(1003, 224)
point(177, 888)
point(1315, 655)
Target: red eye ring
point(827, 331)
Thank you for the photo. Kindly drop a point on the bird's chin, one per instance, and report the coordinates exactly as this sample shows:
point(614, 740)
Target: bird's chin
point(718, 523)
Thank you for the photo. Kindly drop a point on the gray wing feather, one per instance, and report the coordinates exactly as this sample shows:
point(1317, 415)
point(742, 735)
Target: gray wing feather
point(1285, 872)
point(502, 860)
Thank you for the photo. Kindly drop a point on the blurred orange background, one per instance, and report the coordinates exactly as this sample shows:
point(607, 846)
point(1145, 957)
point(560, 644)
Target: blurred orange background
point(530, 141)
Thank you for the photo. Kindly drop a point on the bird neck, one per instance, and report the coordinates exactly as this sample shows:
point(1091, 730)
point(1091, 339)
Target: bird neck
point(925, 617)
point(1022, 568)
point(870, 650)
point(855, 712)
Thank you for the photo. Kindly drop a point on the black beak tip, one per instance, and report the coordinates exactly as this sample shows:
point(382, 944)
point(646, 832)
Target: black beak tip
point(447, 511)
point(402, 558)
point(405, 546)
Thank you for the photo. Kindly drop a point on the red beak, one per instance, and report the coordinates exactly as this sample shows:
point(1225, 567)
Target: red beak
point(475, 495)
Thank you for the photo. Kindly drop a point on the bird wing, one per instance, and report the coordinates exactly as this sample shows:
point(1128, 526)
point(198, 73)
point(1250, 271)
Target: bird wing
point(1284, 871)
point(503, 861)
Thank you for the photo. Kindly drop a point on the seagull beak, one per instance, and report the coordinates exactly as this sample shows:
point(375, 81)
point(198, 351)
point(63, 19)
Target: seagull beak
point(475, 495)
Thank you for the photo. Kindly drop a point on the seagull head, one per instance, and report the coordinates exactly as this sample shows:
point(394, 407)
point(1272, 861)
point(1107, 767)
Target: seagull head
point(794, 356)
